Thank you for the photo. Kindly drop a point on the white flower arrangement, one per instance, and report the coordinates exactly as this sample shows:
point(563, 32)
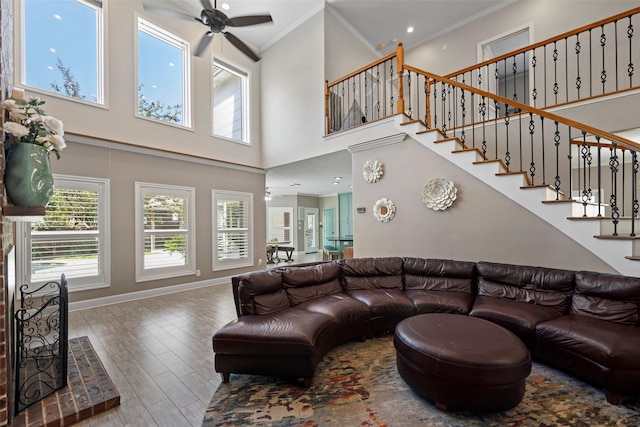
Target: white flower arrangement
point(372, 171)
point(439, 194)
point(28, 123)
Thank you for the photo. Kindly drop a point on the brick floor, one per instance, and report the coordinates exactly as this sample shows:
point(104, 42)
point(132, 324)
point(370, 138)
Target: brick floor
point(89, 391)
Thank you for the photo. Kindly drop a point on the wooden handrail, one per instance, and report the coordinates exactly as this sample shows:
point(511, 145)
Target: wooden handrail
point(365, 68)
point(548, 41)
point(627, 143)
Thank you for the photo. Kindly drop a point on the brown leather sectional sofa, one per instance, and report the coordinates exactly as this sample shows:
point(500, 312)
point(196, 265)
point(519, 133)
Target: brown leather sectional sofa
point(585, 323)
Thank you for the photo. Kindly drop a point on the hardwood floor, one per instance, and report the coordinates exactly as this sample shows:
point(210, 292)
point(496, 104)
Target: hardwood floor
point(158, 353)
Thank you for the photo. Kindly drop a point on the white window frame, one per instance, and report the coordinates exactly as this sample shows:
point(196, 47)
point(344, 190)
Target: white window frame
point(141, 190)
point(20, 58)
point(144, 25)
point(217, 195)
point(272, 228)
point(245, 78)
point(23, 229)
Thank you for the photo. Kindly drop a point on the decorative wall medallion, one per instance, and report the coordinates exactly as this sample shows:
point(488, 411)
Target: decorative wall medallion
point(384, 210)
point(372, 171)
point(439, 194)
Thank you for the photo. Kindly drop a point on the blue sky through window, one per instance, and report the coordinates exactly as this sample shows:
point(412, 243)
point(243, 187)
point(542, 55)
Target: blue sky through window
point(64, 29)
point(160, 70)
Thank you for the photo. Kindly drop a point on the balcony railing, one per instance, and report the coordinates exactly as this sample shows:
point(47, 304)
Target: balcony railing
point(577, 161)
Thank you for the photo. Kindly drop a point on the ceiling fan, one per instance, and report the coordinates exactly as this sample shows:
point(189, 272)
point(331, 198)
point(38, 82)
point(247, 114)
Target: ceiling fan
point(217, 21)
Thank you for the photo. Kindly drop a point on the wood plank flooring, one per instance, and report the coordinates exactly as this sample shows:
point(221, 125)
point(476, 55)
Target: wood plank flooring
point(158, 353)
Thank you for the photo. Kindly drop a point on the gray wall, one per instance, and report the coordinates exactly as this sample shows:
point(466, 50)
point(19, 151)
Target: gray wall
point(482, 224)
point(123, 169)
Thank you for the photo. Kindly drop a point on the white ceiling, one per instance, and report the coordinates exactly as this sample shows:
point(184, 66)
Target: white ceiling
point(376, 22)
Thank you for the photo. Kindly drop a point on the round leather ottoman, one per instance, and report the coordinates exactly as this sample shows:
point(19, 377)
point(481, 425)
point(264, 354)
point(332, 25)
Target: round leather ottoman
point(462, 362)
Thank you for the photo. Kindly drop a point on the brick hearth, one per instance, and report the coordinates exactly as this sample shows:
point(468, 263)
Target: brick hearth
point(89, 391)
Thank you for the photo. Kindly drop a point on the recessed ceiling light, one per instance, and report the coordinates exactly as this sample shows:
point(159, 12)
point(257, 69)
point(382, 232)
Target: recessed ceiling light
point(337, 178)
point(335, 183)
point(225, 6)
point(409, 29)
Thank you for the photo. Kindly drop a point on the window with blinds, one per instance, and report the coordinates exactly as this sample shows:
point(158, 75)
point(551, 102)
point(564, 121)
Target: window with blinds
point(165, 237)
point(280, 225)
point(233, 231)
point(73, 236)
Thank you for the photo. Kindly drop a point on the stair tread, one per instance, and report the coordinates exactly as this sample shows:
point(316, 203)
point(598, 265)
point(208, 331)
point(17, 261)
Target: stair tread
point(600, 218)
point(618, 237)
point(633, 257)
point(558, 201)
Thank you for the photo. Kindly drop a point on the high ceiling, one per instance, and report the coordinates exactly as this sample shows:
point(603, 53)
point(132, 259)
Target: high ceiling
point(381, 24)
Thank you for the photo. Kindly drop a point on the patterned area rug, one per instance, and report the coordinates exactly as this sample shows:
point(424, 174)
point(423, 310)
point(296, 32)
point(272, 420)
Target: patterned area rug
point(357, 384)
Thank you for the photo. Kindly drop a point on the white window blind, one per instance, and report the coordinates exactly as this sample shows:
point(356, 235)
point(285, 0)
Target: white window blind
point(280, 226)
point(233, 233)
point(73, 236)
point(165, 237)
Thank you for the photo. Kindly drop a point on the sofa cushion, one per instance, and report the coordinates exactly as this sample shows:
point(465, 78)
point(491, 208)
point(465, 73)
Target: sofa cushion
point(439, 275)
point(522, 276)
point(291, 332)
point(372, 273)
point(553, 300)
point(519, 317)
point(342, 307)
point(440, 301)
point(607, 343)
point(607, 297)
point(305, 283)
point(261, 292)
point(387, 302)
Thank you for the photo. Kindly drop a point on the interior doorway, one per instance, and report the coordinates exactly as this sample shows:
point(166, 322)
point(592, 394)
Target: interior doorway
point(310, 230)
point(509, 77)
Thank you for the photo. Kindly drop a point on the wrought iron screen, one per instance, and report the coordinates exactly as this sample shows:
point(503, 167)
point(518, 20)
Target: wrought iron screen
point(41, 342)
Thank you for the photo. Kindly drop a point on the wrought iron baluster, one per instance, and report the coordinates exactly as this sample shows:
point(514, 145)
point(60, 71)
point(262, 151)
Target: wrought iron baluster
point(603, 73)
point(377, 104)
point(435, 105)
point(578, 79)
point(585, 192)
point(463, 112)
point(615, 25)
point(534, 90)
point(630, 67)
point(507, 119)
point(634, 191)
point(599, 165)
point(473, 120)
point(495, 126)
point(544, 174)
point(556, 88)
point(366, 106)
point(556, 142)
point(483, 111)
point(443, 96)
point(391, 100)
point(454, 108)
point(570, 158)
point(410, 110)
point(532, 165)
point(520, 139)
point(427, 112)
point(590, 65)
point(514, 67)
point(614, 165)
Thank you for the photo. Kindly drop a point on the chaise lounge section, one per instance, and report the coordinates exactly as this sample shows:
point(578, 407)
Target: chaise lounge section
point(585, 323)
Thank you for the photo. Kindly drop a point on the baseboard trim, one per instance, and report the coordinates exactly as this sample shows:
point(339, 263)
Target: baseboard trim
point(132, 296)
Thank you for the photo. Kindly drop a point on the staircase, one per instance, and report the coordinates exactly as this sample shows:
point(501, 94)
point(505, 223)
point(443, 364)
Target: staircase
point(621, 252)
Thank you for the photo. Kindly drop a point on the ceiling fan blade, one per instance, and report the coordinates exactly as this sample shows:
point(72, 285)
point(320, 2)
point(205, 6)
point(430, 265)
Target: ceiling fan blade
point(206, 4)
point(204, 42)
point(241, 46)
point(167, 12)
point(243, 21)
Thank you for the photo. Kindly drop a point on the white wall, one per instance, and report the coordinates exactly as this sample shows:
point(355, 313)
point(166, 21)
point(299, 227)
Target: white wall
point(116, 120)
point(294, 71)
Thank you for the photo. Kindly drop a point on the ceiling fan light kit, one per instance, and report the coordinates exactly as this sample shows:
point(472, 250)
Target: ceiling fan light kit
point(218, 21)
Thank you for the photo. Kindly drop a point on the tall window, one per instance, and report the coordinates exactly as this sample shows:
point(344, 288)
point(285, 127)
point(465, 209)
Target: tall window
point(280, 225)
point(72, 238)
point(165, 231)
point(62, 49)
point(163, 75)
point(232, 229)
point(230, 101)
